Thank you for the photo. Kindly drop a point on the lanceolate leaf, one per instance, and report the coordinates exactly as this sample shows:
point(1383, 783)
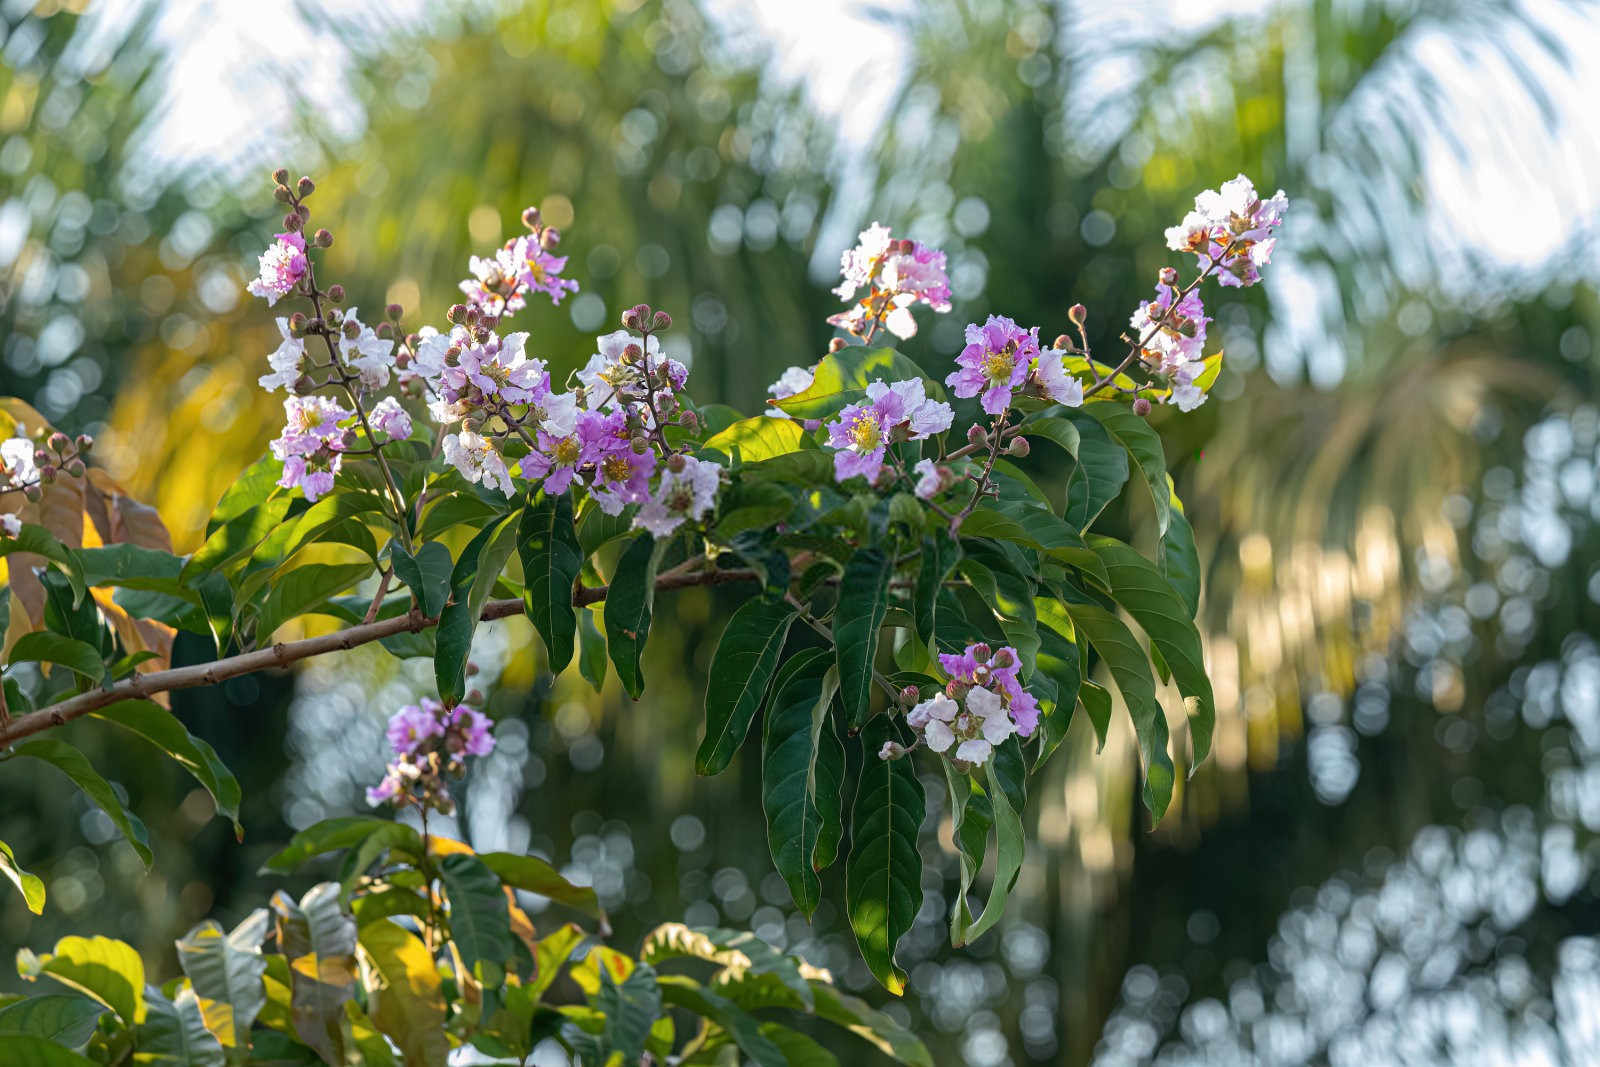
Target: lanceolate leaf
point(426, 574)
point(225, 971)
point(459, 620)
point(1097, 705)
point(29, 1050)
point(1144, 446)
point(1130, 669)
point(1061, 661)
point(883, 879)
point(591, 650)
point(480, 921)
point(863, 599)
point(1008, 858)
point(873, 1027)
point(972, 817)
point(743, 1028)
point(405, 997)
point(346, 832)
point(537, 876)
point(1180, 560)
point(741, 668)
point(794, 728)
point(551, 562)
point(42, 646)
point(829, 773)
point(939, 555)
point(74, 765)
point(1139, 587)
point(629, 603)
point(303, 589)
point(161, 728)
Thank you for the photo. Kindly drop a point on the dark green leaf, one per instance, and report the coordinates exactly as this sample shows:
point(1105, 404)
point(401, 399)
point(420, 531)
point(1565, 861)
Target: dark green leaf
point(161, 728)
point(939, 556)
point(426, 574)
point(863, 599)
point(629, 601)
point(28, 1050)
point(71, 762)
point(551, 563)
point(630, 1009)
point(174, 1033)
point(743, 1028)
point(796, 726)
point(1053, 428)
point(591, 650)
point(480, 922)
point(346, 832)
point(301, 590)
point(741, 668)
point(42, 646)
point(1144, 446)
point(1180, 560)
point(883, 878)
point(63, 1018)
point(1096, 703)
point(39, 541)
point(458, 621)
point(1098, 476)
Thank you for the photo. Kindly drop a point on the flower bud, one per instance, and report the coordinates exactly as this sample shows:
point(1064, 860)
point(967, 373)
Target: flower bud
point(689, 420)
point(957, 688)
point(33, 493)
point(662, 321)
point(910, 695)
point(836, 345)
point(59, 441)
point(47, 474)
point(981, 652)
point(281, 176)
point(631, 353)
point(530, 218)
point(905, 246)
point(1169, 276)
point(386, 330)
point(334, 317)
point(891, 750)
point(1078, 314)
point(402, 359)
point(633, 318)
point(457, 312)
point(474, 313)
point(472, 670)
point(352, 330)
point(40, 457)
point(303, 385)
point(85, 443)
point(549, 238)
point(640, 445)
point(394, 311)
point(323, 238)
point(1141, 407)
point(305, 186)
point(676, 463)
point(75, 468)
point(1019, 447)
point(282, 194)
point(348, 439)
point(291, 222)
point(303, 211)
point(1003, 659)
point(1062, 341)
point(297, 324)
point(976, 436)
point(336, 293)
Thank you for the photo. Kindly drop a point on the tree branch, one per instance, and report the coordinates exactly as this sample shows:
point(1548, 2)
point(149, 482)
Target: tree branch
point(283, 654)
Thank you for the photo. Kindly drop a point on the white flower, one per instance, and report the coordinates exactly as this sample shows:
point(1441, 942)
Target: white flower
point(477, 460)
point(10, 525)
point(387, 415)
point(929, 480)
point(856, 264)
point(990, 709)
point(428, 359)
point(557, 413)
point(16, 456)
point(686, 494)
point(285, 362)
point(370, 355)
point(1058, 385)
point(939, 706)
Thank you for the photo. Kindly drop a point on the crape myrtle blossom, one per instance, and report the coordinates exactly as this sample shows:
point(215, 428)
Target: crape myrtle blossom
point(1053, 381)
point(898, 275)
point(523, 264)
point(17, 461)
point(981, 706)
point(901, 411)
point(1232, 229)
point(688, 490)
point(370, 356)
point(429, 741)
point(977, 665)
point(282, 266)
point(1172, 340)
point(478, 460)
point(929, 479)
point(285, 362)
point(792, 382)
point(995, 362)
point(388, 417)
point(310, 444)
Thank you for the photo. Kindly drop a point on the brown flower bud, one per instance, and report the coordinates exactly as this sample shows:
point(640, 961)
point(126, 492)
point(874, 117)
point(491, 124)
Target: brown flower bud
point(352, 330)
point(640, 445)
point(305, 186)
point(85, 443)
point(59, 442)
point(47, 474)
point(633, 318)
point(1078, 314)
point(281, 176)
point(386, 330)
point(905, 246)
point(297, 324)
point(75, 468)
point(976, 436)
point(336, 293)
point(1168, 276)
point(690, 420)
point(676, 463)
point(836, 345)
point(475, 696)
point(530, 218)
point(662, 321)
point(457, 312)
point(394, 311)
point(472, 669)
point(632, 353)
point(40, 457)
point(1002, 659)
point(1141, 407)
point(1062, 341)
point(1019, 447)
point(323, 238)
point(982, 652)
point(292, 222)
point(33, 493)
point(549, 238)
point(282, 194)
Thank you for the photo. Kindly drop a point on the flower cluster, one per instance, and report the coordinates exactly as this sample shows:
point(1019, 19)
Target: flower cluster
point(995, 362)
point(897, 275)
point(983, 704)
point(312, 443)
point(1231, 230)
point(27, 468)
point(1172, 338)
point(430, 742)
point(282, 266)
point(525, 264)
point(899, 412)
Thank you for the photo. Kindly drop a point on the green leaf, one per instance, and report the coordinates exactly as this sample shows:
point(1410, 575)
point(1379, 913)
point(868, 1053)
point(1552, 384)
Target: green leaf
point(174, 1033)
point(551, 563)
point(796, 727)
point(1180, 560)
point(110, 971)
point(319, 939)
point(760, 437)
point(1144, 446)
point(741, 669)
point(406, 999)
point(843, 376)
point(537, 876)
point(972, 817)
point(629, 602)
point(451, 510)
point(72, 763)
point(39, 541)
point(1139, 587)
point(480, 922)
point(873, 1027)
point(459, 620)
point(798, 1049)
point(302, 589)
point(29, 1050)
point(1053, 428)
point(29, 885)
point(63, 1018)
point(1008, 862)
point(939, 556)
point(1130, 669)
point(591, 651)
point(630, 1009)
point(426, 574)
point(1061, 661)
point(161, 728)
point(1096, 703)
point(1100, 473)
point(251, 488)
point(863, 599)
point(883, 878)
point(225, 970)
point(344, 832)
point(42, 646)
point(238, 536)
point(742, 1027)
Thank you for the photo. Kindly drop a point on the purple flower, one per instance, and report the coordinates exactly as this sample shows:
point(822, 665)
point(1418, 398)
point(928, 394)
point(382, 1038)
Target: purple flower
point(1231, 228)
point(1180, 337)
point(412, 725)
point(861, 438)
point(311, 473)
point(386, 790)
point(994, 362)
point(472, 728)
point(537, 269)
point(1021, 704)
point(622, 477)
point(1050, 375)
point(282, 266)
point(686, 493)
point(390, 418)
point(557, 460)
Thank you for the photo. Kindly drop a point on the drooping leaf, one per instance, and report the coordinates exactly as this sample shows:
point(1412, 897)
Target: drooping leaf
point(551, 563)
point(72, 763)
point(459, 620)
point(537, 876)
point(863, 599)
point(426, 574)
point(1009, 843)
point(64, 1018)
point(1098, 476)
point(480, 922)
point(872, 1026)
point(793, 733)
point(42, 646)
point(1144, 447)
point(161, 728)
point(591, 651)
point(631, 1008)
point(741, 668)
point(1130, 669)
point(344, 832)
point(630, 600)
point(225, 970)
point(972, 817)
point(1096, 703)
point(939, 556)
point(405, 998)
point(1180, 559)
point(174, 1034)
point(1061, 661)
point(742, 1027)
point(107, 970)
point(29, 885)
point(883, 878)
point(319, 940)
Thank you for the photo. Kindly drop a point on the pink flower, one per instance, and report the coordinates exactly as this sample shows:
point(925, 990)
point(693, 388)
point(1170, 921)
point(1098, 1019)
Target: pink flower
point(686, 493)
point(622, 477)
point(536, 269)
point(490, 277)
point(412, 725)
point(10, 525)
point(994, 362)
point(471, 729)
point(1181, 336)
point(897, 275)
point(901, 411)
point(386, 790)
point(478, 460)
point(390, 418)
point(282, 266)
point(311, 473)
point(1050, 374)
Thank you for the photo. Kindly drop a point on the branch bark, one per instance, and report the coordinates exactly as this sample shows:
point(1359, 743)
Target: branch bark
point(283, 654)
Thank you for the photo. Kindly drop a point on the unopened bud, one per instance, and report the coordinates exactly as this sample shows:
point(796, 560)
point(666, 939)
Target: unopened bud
point(59, 441)
point(84, 442)
point(323, 238)
point(905, 246)
point(1141, 407)
point(352, 330)
point(530, 218)
point(690, 420)
point(291, 222)
point(348, 439)
point(475, 696)
point(40, 457)
point(281, 176)
point(976, 436)
point(1168, 276)
point(303, 211)
point(676, 463)
point(473, 314)
point(394, 311)
point(1078, 314)
point(305, 186)
point(336, 293)
point(386, 330)
point(456, 313)
point(631, 353)
point(891, 750)
point(662, 321)
point(452, 355)
point(47, 474)
point(1003, 659)
point(910, 695)
point(640, 445)
point(632, 319)
point(33, 493)
point(1062, 341)
point(303, 385)
point(472, 669)
point(836, 345)
point(981, 652)
point(1019, 447)
point(297, 324)
point(402, 360)
point(282, 194)
point(549, 238)
point(75, 468)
